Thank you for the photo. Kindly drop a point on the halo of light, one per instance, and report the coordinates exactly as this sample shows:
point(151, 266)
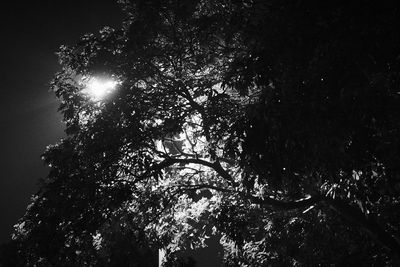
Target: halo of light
point(99, 88)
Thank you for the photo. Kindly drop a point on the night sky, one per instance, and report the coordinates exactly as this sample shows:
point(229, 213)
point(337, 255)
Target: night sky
point(31, 33)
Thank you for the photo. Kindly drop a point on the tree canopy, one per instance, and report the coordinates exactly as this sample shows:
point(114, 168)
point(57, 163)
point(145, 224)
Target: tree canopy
point(272, 125)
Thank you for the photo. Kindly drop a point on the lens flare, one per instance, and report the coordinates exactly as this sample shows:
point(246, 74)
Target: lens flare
point(98, 88)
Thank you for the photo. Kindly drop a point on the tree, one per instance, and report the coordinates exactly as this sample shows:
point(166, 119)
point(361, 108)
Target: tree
point(271, 124)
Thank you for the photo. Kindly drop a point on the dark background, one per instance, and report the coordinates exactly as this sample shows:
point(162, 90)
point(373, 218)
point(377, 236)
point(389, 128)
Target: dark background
point(31, 33)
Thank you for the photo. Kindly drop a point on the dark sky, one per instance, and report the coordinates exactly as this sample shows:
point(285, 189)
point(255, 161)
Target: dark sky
point(31, 33)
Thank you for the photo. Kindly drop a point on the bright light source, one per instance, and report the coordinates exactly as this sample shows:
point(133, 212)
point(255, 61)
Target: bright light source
point(99, 88)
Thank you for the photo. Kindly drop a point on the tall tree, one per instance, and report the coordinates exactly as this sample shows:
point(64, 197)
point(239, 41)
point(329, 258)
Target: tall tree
point(271, 124)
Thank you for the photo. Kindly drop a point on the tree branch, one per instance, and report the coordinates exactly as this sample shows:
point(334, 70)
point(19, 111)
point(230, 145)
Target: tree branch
point(285, 205)
point(367, 223)
point(342, 208)
point(265, 201)
point(213, 165)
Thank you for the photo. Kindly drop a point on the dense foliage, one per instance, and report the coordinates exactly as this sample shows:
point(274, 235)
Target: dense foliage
point(272, 125)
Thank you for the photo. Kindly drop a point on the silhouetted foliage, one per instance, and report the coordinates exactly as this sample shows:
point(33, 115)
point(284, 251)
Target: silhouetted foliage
point(273, 124)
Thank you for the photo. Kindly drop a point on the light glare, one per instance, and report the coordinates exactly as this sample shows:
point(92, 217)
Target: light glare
point(98, 88)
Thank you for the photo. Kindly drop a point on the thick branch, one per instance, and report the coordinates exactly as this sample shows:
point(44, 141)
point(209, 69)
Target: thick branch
point(347, 211)
point(266, 201)
point(182, 153)
point(367, 223)
point(213, 165)
point(350, 213)
point(285, 205)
